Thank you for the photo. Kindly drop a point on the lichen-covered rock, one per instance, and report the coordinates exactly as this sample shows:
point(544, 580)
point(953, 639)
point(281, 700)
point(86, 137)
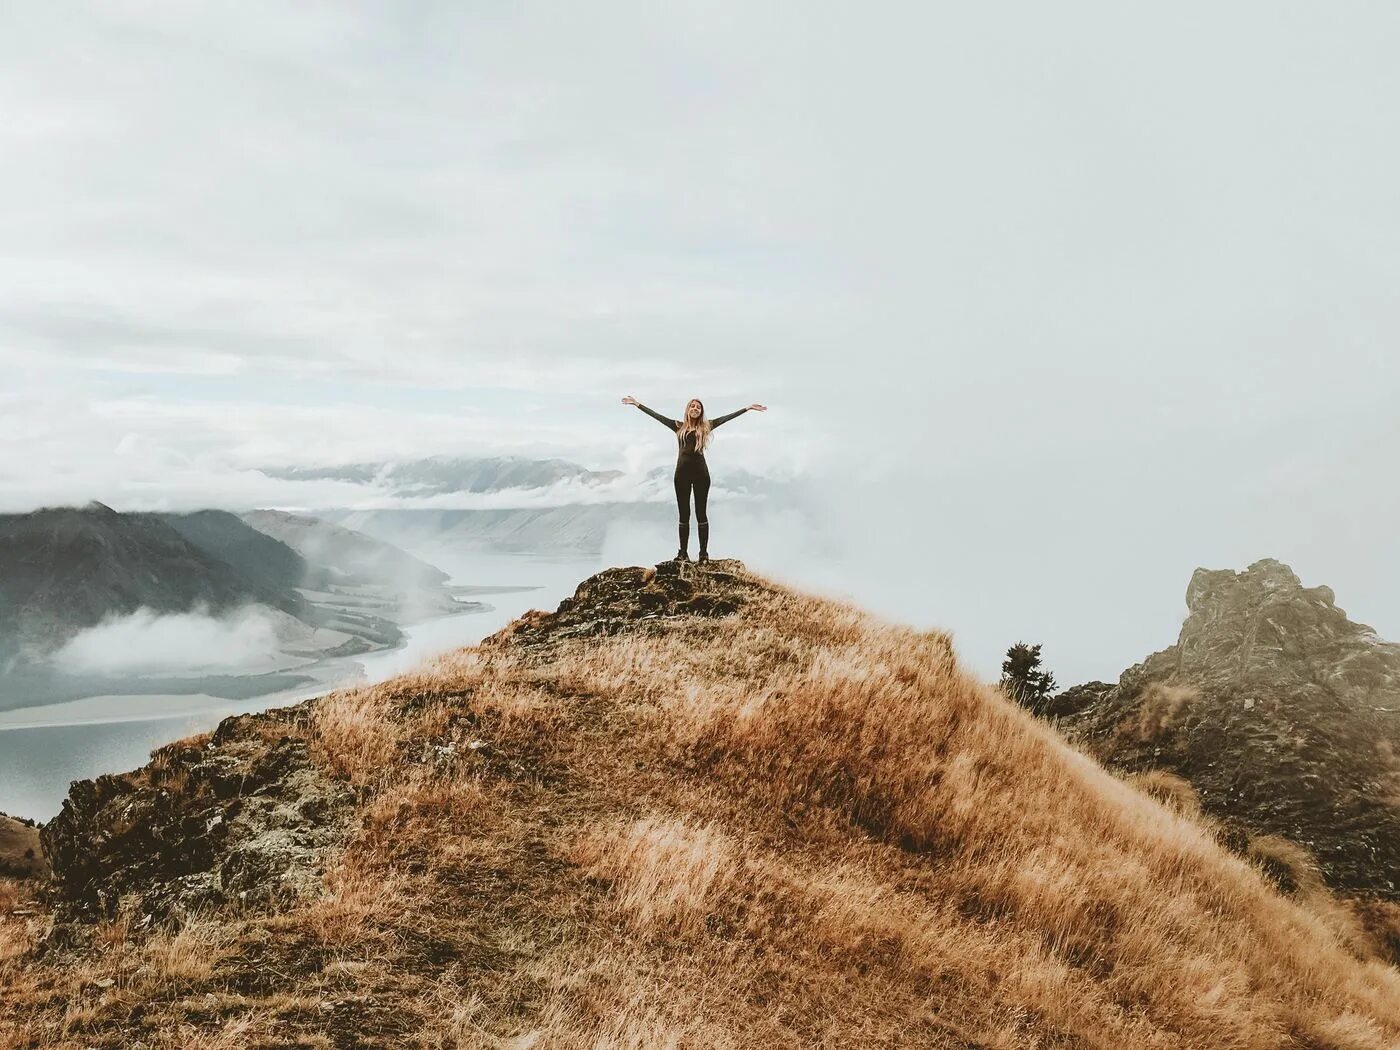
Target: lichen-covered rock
point(632, 598)
point(1280, 710)
point(243, 818)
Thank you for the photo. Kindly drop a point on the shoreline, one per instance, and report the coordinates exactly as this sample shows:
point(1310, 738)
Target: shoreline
point(89, 710)
point(136, 706)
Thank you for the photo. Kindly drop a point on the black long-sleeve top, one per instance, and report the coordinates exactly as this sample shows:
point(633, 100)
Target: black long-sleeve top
point(687, 444)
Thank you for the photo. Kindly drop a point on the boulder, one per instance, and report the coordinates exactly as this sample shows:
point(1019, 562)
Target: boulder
point(1281, 711)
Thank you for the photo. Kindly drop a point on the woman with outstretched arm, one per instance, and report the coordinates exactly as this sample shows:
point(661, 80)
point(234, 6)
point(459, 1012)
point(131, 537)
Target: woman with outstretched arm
point(692, 473)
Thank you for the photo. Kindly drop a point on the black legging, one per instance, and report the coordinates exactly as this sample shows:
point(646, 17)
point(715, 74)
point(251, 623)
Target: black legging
point(692, 474)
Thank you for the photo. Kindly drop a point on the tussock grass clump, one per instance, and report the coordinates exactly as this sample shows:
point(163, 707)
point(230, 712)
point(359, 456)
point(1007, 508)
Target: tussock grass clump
point(354, 734)
point(1161, 707)
point(1171, 790)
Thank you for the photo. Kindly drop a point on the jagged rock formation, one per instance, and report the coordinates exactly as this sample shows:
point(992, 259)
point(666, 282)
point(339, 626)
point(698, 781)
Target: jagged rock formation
point(1281, 711)
point(239, 817)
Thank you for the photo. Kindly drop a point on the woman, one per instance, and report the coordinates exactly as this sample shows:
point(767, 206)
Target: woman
point(692, 473)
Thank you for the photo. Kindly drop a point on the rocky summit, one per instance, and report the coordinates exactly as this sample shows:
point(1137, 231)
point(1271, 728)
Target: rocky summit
point(1282, 712)
point(635, 598)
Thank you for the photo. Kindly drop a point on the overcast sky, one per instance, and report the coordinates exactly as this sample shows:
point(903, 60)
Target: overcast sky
point(1056, 302)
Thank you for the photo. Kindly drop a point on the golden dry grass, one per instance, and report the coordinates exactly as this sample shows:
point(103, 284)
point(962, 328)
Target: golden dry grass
point(800, 826)
point(1168, 788)
point(20, 853)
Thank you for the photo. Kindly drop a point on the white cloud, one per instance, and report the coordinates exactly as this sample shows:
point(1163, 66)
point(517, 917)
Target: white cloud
point(146, 642)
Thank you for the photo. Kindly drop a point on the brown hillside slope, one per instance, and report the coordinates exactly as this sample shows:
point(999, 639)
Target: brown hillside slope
point(20, 853)
point(692, 808)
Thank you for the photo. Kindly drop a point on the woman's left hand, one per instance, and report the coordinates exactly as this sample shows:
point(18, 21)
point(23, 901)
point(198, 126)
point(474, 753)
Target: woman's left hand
point(758, 408)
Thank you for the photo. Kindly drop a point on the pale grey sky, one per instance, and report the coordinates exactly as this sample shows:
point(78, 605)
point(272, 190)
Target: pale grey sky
point(1056, 301)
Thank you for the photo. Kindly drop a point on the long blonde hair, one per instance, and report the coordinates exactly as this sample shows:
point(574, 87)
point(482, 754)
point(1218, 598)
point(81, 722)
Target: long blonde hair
point(701, 428)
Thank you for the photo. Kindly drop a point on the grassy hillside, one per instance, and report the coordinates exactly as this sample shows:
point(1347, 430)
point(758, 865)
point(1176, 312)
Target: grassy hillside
point(689, 809)
point(20, 852)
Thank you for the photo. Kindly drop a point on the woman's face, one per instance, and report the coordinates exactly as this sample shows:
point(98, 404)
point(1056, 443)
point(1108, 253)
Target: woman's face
point(693, 409)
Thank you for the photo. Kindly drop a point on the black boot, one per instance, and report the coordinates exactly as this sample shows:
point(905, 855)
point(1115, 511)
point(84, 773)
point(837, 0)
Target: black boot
point(704, 540)
point(684, 532)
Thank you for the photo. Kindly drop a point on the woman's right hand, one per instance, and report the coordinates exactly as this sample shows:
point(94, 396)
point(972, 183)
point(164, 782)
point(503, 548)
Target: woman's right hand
point(629, 400)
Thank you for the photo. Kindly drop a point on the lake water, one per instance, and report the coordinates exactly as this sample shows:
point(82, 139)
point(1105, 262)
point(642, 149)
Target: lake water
point(43, 748)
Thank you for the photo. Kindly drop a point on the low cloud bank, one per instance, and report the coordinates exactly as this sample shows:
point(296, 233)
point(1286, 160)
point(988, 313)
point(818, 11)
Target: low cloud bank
point(146, 642)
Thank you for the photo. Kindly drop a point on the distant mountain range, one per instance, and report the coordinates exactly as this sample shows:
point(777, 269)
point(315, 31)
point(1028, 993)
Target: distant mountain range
point(441, 475)
point(328, 590)
point(575, 528)
point(556, 506)
point(62, 569)
point(353, 556)
point(361, 572)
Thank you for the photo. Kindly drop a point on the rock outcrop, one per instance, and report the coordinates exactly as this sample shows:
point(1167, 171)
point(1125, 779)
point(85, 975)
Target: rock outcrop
point(635, 598)
point(239, 817)
point(1281, 711)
